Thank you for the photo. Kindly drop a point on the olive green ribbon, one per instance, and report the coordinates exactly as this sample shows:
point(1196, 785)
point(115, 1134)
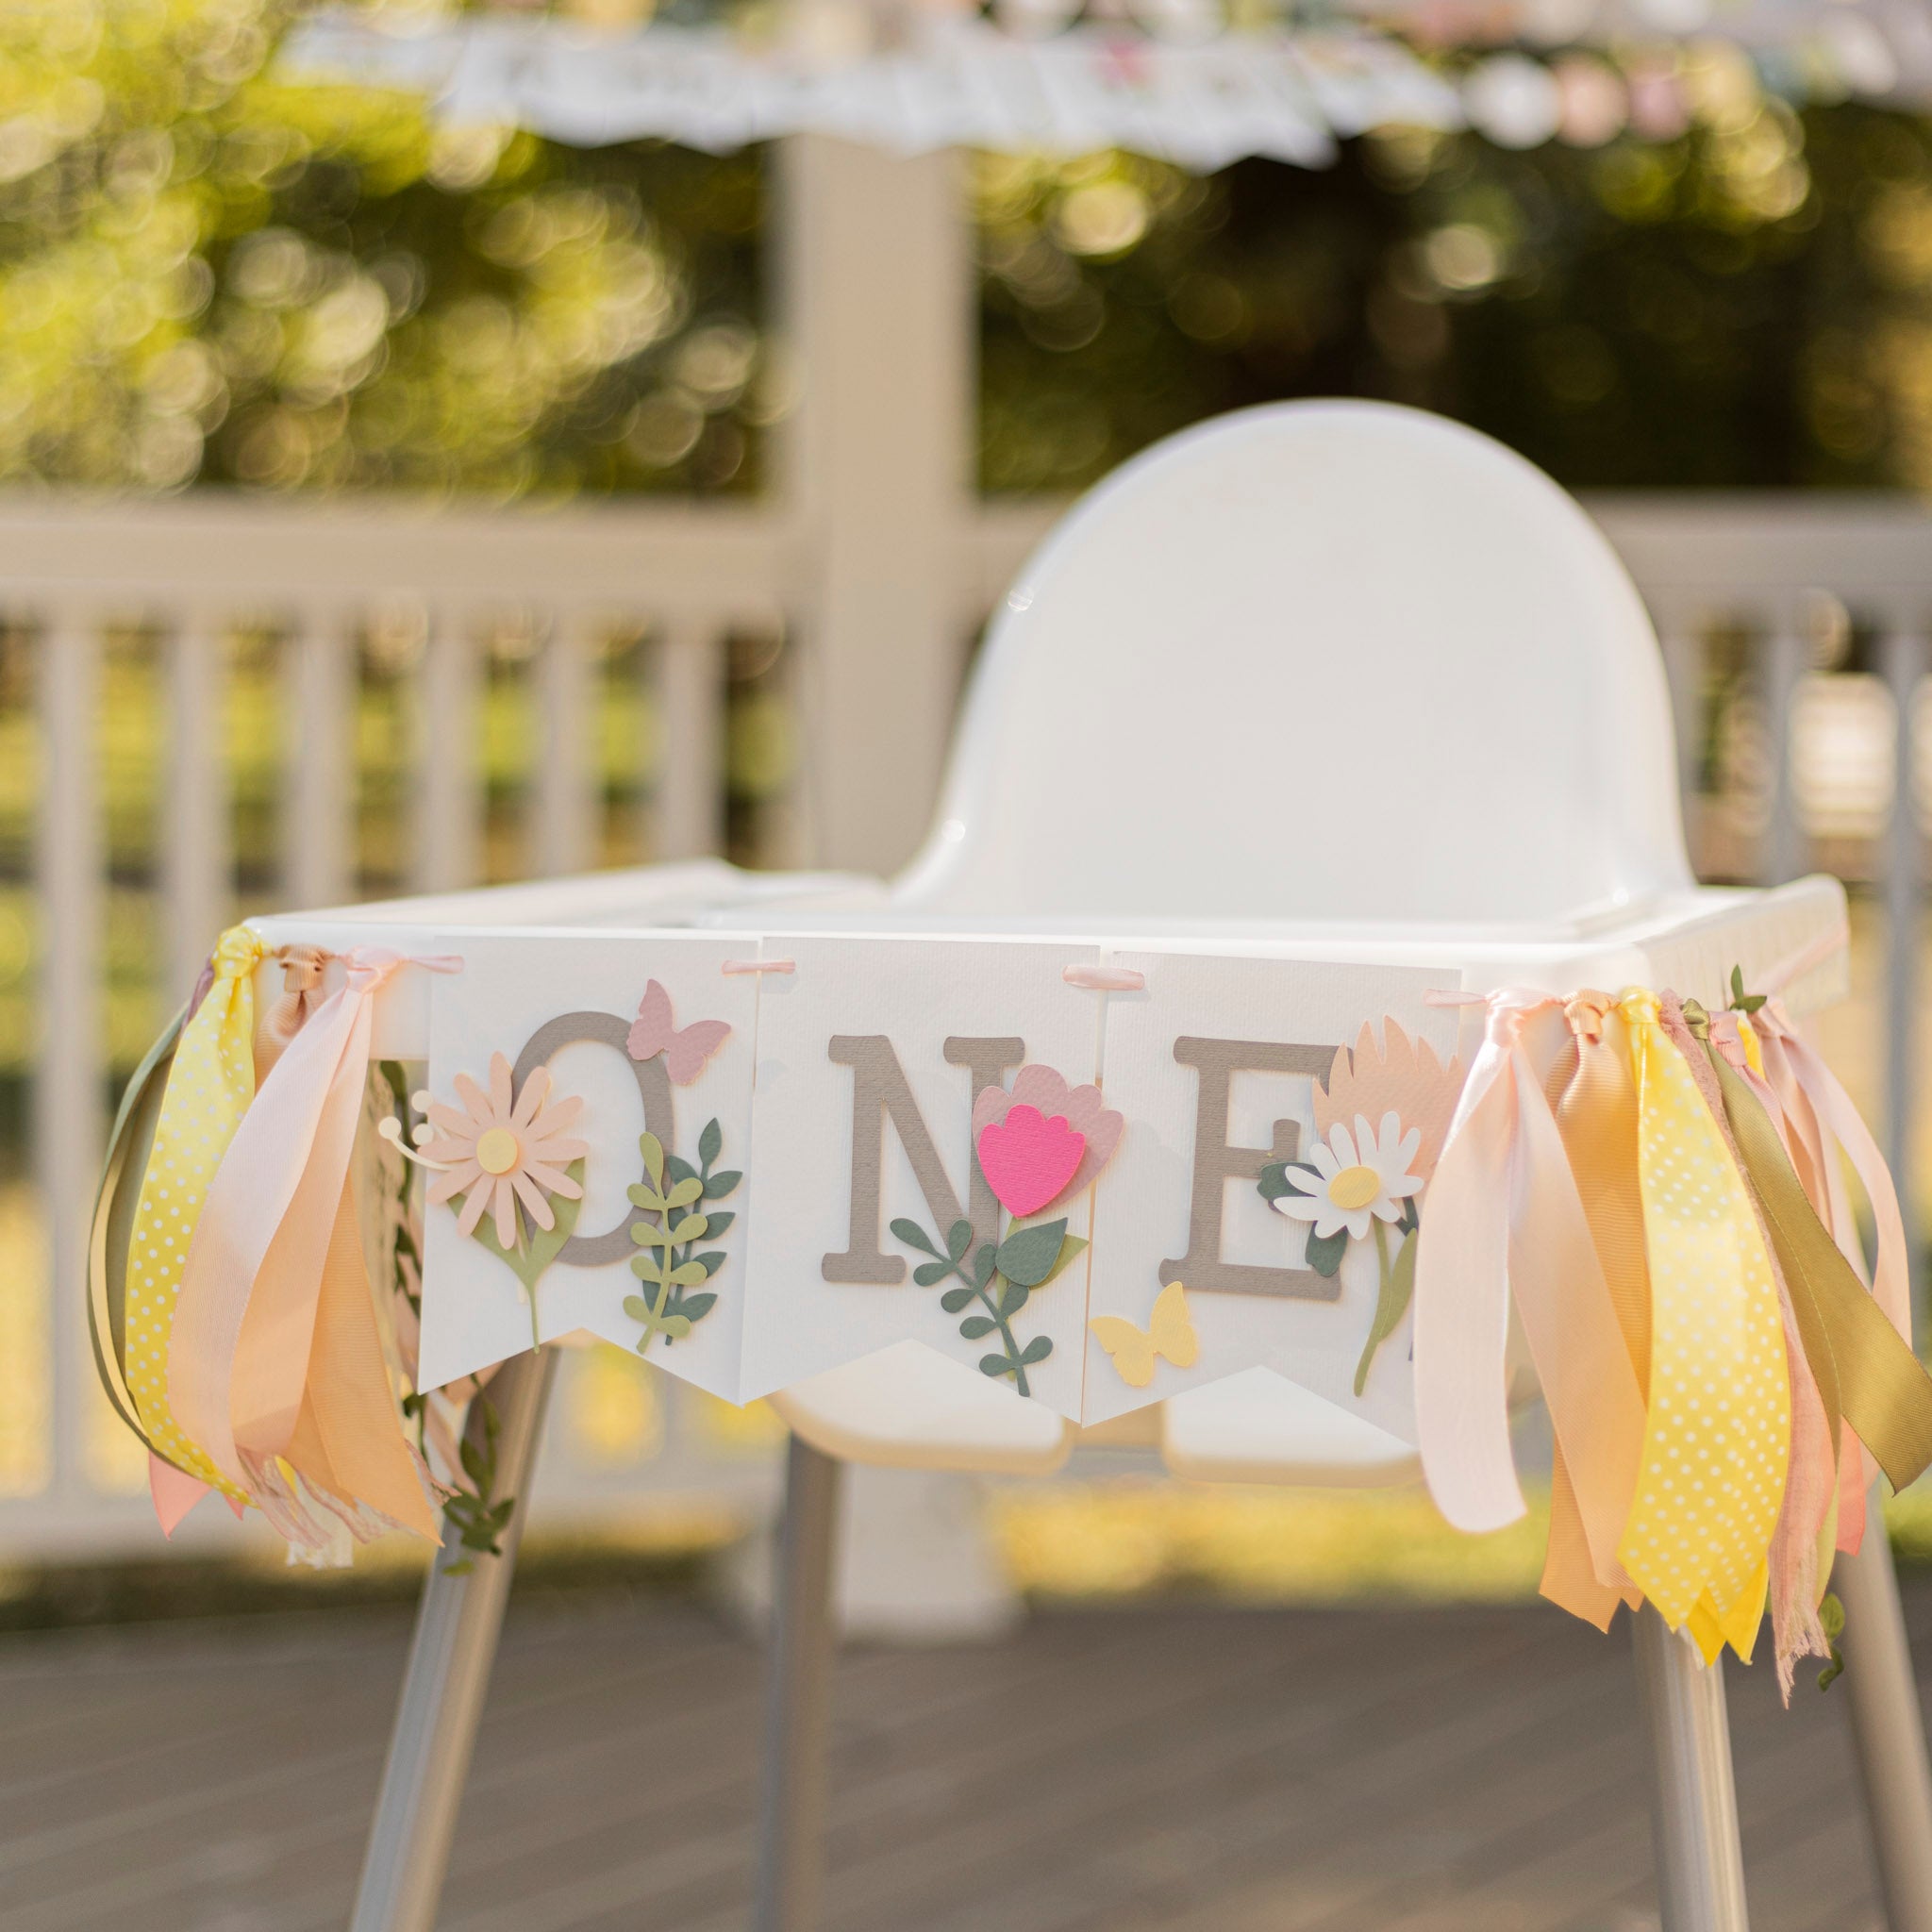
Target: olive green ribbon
point(1863, 1368)
point(129, 1144)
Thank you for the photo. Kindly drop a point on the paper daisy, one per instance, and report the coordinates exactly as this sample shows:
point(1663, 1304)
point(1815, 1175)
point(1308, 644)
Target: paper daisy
point(500, 1153)
point(1357, 1178)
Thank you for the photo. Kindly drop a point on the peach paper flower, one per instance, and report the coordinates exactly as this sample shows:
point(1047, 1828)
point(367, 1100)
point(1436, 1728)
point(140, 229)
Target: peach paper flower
point(501, 1152)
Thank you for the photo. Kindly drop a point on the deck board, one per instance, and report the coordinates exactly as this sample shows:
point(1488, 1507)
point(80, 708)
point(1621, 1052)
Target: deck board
point(1155, 1770)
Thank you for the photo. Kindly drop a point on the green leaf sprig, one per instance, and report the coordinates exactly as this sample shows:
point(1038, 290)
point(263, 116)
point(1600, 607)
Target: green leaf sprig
point(479, 1516)
point(1742, 1002)
point(678, 1194)
point(1000, 1276)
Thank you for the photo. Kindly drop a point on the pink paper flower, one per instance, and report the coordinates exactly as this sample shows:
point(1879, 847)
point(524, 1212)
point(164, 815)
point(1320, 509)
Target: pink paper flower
point(499, 1154)
point(1032, 1152)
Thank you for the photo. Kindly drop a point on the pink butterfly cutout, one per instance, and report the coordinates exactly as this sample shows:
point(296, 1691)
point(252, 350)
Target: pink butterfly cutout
point(685, 1049)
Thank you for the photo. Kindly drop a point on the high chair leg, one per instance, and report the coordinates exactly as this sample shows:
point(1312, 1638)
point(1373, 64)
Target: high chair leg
point(1699, 1867)
point(1888, 1727)
point(798, 1697)
point(448, 1678)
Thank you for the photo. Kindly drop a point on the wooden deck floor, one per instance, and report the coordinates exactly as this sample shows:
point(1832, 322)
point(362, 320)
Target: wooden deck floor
point(1135, 1770)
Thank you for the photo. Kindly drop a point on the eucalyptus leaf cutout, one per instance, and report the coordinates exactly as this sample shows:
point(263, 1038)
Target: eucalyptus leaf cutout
point(1326, 1250)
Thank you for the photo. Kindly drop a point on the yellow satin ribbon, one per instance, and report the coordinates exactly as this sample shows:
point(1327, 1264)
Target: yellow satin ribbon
point(210, 1086)
point(1717, 1435)
point(1596, 1107)
point(1863, 1368)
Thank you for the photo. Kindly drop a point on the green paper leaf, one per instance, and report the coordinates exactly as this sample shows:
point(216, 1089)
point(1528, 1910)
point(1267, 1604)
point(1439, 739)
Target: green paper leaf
point(474, 1466)
point(710, 1142)
point(1325, 1251)
point(648, 1237)
point(1069, 1250)
point(543, 1245)
point(1736, 982)
point(678, 1169)
point(929, 1271)
point(694, 1308)
point(1026, 1256)
point(722, 1184)
point(653, 1149)
point(1014, 1299)
point(712, 1261)
point(954, 1299)
point(649, 1199)
point(692, 1228)
point(637, 1307)
point(997, 1365)
point(689, 1274)
point(973, 1326)
point(1392, 1304)
point(1037, 1350)
point(675, 1326)
point(914, 1236)
point(1273, 1181)
point(649, 1267)
point(717, 1221)
point(685, 1192)
point(983, 1265)
point(959, 1239)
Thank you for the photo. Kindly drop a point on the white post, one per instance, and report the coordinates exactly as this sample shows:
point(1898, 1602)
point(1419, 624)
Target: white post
point(67, 1074)
point(875, 275)
point(196, 862)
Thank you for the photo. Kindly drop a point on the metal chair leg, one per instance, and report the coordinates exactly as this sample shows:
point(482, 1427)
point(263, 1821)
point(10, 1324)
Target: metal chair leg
point(448, 1678)
point(798, 1698)
point(1888, 1727)
point(1699, 1867)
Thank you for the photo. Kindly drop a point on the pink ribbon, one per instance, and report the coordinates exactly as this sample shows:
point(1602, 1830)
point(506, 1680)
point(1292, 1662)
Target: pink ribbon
point(1503, 1219)
point(246, 1313)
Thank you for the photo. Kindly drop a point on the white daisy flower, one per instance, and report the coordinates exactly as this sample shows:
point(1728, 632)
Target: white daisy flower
point(1360, 1175)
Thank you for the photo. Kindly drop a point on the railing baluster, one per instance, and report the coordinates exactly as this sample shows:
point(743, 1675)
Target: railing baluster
point(1902, 660)
point(196, 861)
point(319, 760)
point(1784, 666)
point(67, 1075)
point(449, 801)
point(690, 693)
point(567, 793)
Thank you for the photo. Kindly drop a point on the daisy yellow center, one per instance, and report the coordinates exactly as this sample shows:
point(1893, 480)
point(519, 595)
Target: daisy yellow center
point(1355, 1187)
point(497, 1151)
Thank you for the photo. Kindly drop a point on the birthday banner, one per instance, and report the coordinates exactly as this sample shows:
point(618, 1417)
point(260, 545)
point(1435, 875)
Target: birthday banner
point(1097, 1178)
point(755, 1159)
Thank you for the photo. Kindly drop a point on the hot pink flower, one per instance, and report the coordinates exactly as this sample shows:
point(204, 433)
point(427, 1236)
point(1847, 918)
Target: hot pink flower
point(1051, 1134)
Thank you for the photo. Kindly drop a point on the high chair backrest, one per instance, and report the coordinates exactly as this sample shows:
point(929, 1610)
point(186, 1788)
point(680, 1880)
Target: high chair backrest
point(1317, 661)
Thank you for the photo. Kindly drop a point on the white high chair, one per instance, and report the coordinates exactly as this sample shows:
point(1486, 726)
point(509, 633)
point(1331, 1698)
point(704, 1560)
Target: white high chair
point(1336, 676)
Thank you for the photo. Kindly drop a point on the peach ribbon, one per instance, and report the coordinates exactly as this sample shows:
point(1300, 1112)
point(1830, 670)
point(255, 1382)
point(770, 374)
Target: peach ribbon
point(1504, 1221)
point(1595, 1107)
point(274, 1286)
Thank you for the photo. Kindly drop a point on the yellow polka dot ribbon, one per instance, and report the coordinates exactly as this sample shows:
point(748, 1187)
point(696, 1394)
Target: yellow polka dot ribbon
point(1717, 1435)
point(208, 1089)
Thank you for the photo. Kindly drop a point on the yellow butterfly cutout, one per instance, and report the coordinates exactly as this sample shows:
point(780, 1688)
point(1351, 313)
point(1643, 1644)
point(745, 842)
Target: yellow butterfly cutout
point(1170, 1333)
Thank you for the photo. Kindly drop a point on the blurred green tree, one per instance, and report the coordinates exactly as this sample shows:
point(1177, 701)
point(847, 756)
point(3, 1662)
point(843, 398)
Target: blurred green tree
point(1748, 304)
point(209, 274)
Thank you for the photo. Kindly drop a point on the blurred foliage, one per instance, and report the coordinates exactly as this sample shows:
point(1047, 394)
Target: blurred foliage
point(1747, 305)
point(207, 275)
